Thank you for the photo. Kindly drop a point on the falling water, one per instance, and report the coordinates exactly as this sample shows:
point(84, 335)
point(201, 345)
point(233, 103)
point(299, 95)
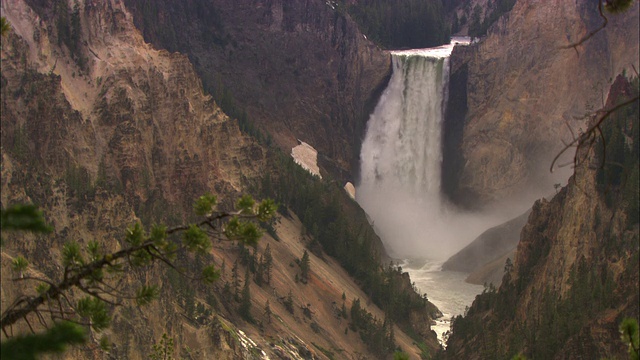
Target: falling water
point(402, 147)
point(401, 161)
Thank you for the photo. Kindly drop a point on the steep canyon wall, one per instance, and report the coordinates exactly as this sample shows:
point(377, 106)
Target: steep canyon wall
point(100, 130)
point(300, 69)
point(515, 94)
point(575, 273)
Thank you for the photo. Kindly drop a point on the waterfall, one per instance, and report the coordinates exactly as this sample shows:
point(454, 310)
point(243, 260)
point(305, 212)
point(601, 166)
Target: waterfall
point(403, 143)
point(401, 158)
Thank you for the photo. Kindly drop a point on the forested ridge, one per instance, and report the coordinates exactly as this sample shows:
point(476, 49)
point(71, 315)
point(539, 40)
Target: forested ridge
point(339, 228)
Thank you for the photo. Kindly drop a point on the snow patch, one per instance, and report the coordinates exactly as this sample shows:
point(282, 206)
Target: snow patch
point(350, 189)
point(307, 157)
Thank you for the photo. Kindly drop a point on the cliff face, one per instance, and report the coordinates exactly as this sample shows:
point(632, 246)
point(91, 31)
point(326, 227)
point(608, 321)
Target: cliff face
point(485, 256)
point(515, 94)
point(300, 69)
point(575, 274)
point(112, 134)
point(133, 115)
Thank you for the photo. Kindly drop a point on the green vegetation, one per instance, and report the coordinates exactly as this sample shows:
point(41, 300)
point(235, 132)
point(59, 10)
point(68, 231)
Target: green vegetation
point(79, 181)
point(4, 26)
point(163, 350)
point(618, 153)
point(230, 106)
point(53, 341)
point(267, 311)
point(617, 6)
point(304, 267)
point(245, 300)
point(69, 30)
point(631, 336)
point(288, 303)
point(377, 335)
point(89, 270)
point(329, 354)
point(22, 217)
point(340, 227)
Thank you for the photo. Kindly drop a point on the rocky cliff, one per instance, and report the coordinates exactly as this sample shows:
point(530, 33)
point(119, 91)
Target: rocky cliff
point(575, 275)
point(485, 256)
point(516, 94)
point(296, 69)
point(111, 134)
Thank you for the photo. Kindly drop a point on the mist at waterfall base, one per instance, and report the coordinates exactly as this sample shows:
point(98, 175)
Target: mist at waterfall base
point(401, 161)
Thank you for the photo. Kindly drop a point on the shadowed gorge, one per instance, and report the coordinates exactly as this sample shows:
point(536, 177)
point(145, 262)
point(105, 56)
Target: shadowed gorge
point(575, 274)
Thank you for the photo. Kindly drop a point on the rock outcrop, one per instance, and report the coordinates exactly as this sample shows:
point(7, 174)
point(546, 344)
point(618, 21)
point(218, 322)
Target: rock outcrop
point(125, 135)
point(517, 92)
point(300, 69)
point(486, 255)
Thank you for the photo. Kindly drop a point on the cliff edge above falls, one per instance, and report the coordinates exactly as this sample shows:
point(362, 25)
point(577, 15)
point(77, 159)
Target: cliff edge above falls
point(296, 69)
point(515, 93)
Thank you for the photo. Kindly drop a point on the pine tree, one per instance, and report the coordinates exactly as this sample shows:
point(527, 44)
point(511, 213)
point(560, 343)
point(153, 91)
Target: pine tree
point(288, 303)
point(252, 261)
point(260, 271)
point(304, 267)
point(163, 350)
point(268, 263)
point(236, 281)
point(245, 302)
point(226, 291)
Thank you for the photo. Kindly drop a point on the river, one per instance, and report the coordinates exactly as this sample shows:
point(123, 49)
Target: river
point(445, 289)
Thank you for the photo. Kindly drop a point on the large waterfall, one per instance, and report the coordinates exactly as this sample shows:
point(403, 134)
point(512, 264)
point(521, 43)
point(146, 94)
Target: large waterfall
point(402, 148)
point(401, 160)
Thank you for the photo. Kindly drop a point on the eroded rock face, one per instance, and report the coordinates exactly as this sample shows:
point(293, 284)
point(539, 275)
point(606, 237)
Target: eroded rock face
point(575, 267)
point(137, 116)
point(300, 69)
point(522, 92)
point(490, 245)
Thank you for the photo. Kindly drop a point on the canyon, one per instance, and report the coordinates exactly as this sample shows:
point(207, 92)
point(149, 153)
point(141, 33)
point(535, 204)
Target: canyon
point(116, 132)
point(127, 111)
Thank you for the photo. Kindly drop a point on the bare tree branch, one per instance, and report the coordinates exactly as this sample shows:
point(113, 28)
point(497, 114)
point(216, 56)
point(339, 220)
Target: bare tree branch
point(588, 36)
point(591, 131)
